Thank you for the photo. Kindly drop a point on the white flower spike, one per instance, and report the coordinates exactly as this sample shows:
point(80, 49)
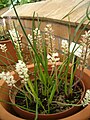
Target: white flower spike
point(3, 47)
point(86, 99)
point(8, 77)
point(22, 70)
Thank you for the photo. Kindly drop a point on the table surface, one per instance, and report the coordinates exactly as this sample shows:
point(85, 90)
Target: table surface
point(53, 9)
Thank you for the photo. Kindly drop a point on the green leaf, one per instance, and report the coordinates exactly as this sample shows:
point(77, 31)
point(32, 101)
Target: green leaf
point(52, 93)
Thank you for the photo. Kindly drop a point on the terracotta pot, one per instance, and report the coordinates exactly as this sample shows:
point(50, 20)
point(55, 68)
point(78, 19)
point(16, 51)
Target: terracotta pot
point(84, 114)
point(10, 53)
point(27, 115)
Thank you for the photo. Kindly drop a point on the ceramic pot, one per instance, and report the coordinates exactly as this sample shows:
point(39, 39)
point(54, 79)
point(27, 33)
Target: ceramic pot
point(83, 114)
point(55, 116)
point(10, 56)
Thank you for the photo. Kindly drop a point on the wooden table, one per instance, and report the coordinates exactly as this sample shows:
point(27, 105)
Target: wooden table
point(52, 9)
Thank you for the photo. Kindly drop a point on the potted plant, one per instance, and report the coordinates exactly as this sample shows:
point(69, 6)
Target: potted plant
point(48, 88)
point(8, 53)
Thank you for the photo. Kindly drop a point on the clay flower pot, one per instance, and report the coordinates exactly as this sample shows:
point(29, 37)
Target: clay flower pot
point(10, 56)
point(77, 116)
point(25, 114)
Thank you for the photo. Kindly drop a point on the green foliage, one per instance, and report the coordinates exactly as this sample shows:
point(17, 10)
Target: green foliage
point(4, 3)
point(7, 3)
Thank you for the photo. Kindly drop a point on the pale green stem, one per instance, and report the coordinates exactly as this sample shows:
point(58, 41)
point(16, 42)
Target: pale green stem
point(57, 82)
